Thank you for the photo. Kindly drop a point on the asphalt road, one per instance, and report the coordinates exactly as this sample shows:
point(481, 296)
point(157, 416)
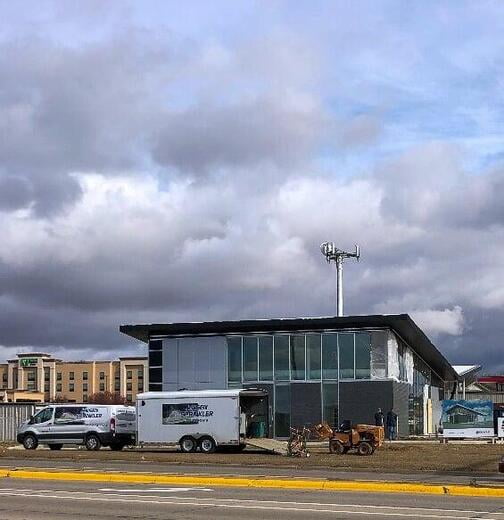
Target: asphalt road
point(44, 500)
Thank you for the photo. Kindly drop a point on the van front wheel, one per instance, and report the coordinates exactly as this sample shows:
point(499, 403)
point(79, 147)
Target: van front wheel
point(207, 445)
point(188, 445)
point(30, 442)
point(93, 443)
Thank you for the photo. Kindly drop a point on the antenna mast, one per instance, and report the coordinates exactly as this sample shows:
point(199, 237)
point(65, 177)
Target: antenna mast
point(333, 254)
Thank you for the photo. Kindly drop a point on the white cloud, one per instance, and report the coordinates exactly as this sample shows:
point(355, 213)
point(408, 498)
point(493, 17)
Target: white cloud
point(435, 322)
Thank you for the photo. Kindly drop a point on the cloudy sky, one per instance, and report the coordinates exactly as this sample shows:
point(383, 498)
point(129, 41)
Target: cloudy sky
point(168, 161)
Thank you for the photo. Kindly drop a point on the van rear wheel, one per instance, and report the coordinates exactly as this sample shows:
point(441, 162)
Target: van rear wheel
point(188, 444)
point(93, 443)
point(207, 445)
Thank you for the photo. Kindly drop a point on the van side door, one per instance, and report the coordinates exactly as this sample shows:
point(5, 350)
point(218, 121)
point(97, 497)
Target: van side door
point(68, 424)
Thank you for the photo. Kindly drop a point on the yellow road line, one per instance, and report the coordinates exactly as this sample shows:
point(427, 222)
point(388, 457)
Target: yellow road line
point(278, 483)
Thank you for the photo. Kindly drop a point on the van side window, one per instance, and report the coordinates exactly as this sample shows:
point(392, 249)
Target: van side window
point(66, 414)
point(43, 416)
point(126, 416)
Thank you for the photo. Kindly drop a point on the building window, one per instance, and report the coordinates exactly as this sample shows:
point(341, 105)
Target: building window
point(313, 353)
point(117, 386)
point(500, 387)
point(47, 375)
point(30, 385)
point(249, 358)
point(346, 356)
point(58, 387)
point(129, 374)
point(31, 376)
point(140, 386)
point(46, 387)
point(84, 376)
point(140, 373)
point(297, 357)
point(58, 376)
point(102, 387)
point(129, 398)
point(71, 376)
point(266, 358)
point(71, 387)
point(330, 404)
point(102, 375)
point(362, 355)
point(4, 377)
point(282, 410)
point(129, 386)
point(84, 398)
point(84, 387)
point(282, 372)
point(234, 359)
point(329, 356)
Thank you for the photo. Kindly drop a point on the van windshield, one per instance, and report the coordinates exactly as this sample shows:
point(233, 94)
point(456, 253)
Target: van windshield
point(43, 416)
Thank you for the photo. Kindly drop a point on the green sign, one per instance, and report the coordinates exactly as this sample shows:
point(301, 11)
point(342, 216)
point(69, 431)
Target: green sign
point(27, 362)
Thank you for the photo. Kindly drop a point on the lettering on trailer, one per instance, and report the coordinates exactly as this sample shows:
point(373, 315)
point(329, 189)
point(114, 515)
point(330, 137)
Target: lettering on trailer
point(187, 413)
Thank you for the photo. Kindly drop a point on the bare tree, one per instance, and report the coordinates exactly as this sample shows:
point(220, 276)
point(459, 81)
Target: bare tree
point(107, 398)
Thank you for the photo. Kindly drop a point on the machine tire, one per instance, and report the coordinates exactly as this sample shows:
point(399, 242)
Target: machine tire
point(207, 445)
point(55, 447)
point(30, 442)
point(188, 444)
point(337, 447)
point(93, 442)
point(365, 448)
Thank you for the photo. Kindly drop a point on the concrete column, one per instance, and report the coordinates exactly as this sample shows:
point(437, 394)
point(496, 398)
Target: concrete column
point(21, 378)
point(40, 375)
point(52, 381)
point(93, 377)
point(10, 375)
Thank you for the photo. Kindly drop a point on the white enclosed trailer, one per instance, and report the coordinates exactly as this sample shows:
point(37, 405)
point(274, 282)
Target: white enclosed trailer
point(204, 419)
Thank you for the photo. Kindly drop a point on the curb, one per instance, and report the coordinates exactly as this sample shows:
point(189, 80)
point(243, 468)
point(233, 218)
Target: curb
point(317, 485)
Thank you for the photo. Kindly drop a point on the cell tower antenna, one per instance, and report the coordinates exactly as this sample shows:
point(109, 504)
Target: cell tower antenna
point(333, 254)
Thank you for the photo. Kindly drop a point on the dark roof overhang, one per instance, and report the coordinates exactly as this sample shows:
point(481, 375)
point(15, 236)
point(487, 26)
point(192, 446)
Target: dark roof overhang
point(401, 324)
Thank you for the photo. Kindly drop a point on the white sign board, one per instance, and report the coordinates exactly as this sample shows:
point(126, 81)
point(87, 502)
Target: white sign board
point(500, 427)
point(468, 433)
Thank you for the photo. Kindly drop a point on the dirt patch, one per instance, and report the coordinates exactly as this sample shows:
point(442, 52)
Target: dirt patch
point(396, 458)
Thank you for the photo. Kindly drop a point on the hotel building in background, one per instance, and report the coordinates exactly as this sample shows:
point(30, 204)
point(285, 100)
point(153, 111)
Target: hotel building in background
point(39, 377)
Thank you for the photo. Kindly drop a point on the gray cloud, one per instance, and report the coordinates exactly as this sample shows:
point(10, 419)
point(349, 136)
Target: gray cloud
point(246, 134)
point(171, 181)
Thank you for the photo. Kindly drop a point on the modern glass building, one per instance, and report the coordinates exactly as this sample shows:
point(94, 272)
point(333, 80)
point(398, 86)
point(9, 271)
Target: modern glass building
point(314, 369)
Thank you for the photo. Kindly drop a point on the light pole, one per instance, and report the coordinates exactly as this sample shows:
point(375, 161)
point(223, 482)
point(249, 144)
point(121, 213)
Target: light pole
point(332, 253)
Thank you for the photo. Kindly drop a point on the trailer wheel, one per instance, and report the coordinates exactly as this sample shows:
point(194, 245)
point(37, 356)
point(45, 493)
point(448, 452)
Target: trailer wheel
point(188, 445)
point(207, 445)
point(364, 448)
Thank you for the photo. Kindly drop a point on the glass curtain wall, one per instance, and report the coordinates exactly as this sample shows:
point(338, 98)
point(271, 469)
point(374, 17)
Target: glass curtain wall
point(279, 359)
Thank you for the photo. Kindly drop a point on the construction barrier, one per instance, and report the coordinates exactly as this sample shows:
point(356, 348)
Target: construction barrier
point(11, 416)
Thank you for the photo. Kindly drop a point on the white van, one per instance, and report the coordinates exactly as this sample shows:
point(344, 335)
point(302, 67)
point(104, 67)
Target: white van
point(93, 425)
point(202, 419)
